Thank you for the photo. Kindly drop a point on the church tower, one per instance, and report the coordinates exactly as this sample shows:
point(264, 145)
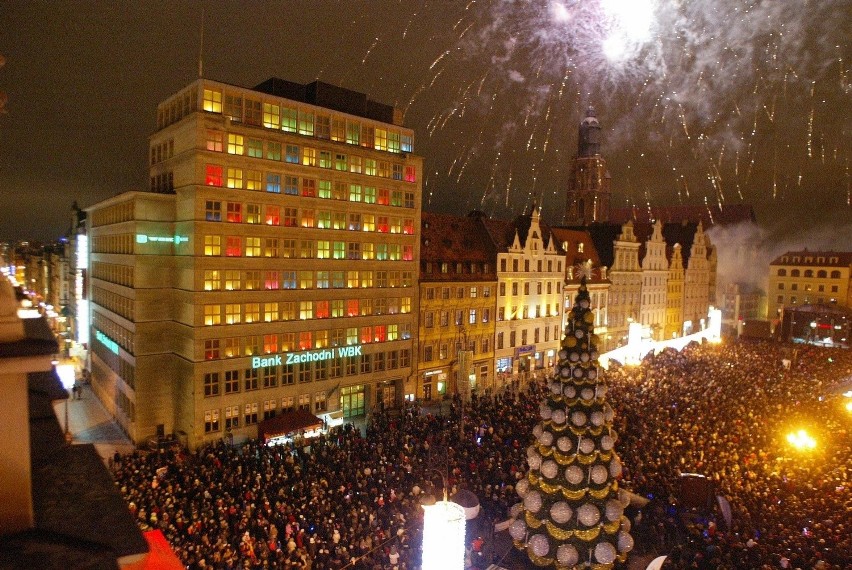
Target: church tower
point(588, 187)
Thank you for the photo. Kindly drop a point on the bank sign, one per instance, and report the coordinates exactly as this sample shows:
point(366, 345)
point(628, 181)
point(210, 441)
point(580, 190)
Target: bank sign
point(310, 356)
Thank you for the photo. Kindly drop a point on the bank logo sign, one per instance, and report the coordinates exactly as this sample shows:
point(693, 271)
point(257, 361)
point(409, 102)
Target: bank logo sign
point(309, 356)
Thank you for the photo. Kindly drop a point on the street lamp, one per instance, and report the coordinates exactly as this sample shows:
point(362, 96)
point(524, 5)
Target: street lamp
point(443, 533)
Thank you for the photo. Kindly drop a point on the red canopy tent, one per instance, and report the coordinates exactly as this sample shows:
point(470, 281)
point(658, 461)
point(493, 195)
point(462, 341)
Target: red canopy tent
point(160, 554)
point(287, 423)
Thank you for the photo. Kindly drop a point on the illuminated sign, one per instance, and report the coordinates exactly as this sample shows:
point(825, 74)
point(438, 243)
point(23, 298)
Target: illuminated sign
point(300, 357)
point(106, 341)
point(143, 238)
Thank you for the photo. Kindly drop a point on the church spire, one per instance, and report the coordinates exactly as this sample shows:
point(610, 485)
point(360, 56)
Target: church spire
point(589, 142)
point(588, 193)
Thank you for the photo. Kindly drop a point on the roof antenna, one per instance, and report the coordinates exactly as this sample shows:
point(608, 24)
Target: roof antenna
point(201, 48)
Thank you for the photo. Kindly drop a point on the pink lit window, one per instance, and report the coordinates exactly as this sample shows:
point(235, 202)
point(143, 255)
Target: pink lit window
point(271, 281)
point(410, 174)
point(408, 252)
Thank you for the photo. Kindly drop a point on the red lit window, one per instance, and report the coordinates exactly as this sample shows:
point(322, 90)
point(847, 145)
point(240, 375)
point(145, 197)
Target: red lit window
point(410, 174)
point(233, 246)
point(352, 309)
point(366, 335)
point(214, 175)
point(306, 340)
point(408, 252)
point(321, 310)
point(271, 281)
point(408, 226)
point(235, 212)
point(273, 215)
point(384, 197)
point(380, 333)
point(383, 226)
point(270, 343)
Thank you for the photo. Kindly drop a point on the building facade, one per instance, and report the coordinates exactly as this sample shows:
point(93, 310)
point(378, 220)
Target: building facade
point(271, 267)
point(809, 277)
point(458, 308)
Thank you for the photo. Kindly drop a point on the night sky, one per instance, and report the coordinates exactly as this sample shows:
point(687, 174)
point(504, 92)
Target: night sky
point(701, 102)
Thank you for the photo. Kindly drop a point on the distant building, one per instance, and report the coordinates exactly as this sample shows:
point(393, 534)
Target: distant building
point(820, 324)
point(809, 278)
point(271, 267)
point(458, 307)
point(589, 194)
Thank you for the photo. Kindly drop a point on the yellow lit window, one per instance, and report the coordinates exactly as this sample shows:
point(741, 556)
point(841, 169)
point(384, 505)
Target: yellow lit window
point(288, 310)
point(270, 312)
point(252, 213)
point(235, 178)
point(212, 280)
point(306, 123)
point(381, 140)
point(323, 249)
point(232, 280)
point(252, 247)
point(352, 280)
point(366, 279)
point(309, 156)
point(212, 315)
point(235, 144)
point(252, 312)
point(308, 218)
point(368, 250)
point(212, 245)
point(370, 167)
point(270, 247)
point(271, 116)
point(254, 180)
point(306, 310)
point(212, 101)
point(232, 313)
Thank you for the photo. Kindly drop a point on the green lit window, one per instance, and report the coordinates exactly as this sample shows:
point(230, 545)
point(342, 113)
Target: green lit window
point(255, 148)
point(324, 190)
point(289, 119)
point(306, 123)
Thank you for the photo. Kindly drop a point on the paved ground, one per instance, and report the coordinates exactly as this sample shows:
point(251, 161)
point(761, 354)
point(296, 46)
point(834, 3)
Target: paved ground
point(89, 422)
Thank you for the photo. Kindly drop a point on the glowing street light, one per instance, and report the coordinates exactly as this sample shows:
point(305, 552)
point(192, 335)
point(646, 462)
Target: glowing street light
point(801, 440)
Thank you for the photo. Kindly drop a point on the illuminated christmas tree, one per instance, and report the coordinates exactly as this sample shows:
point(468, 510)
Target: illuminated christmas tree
point(571, 516)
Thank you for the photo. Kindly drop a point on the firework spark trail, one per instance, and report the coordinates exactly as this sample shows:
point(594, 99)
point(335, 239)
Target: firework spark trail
point(369, 51)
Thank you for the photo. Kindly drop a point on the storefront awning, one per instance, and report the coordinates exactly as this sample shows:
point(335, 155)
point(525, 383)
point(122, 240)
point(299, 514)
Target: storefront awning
point(287, 423)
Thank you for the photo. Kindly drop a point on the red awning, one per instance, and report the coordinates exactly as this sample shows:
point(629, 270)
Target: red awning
point(287, 423)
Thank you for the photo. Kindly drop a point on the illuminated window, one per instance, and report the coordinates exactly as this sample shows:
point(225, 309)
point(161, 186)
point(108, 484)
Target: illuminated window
point(232, 280)
point(384, 197)
point(252, 312)
point(395, 225)
point(252, 247)
point(233, 313)
point(408, 226)
point(396, 198)
point(288, 119)
point(306, 279)
point(308, 218)
point(212, 280)
point(353, 132)
point(273, 216)
point(273, 150)
point(252, 213)
point(339, 192)
point(271, 116)
point(394, 141)
point(338, 220)
point(254, 180)
point(212, 245)
point(233, 246)
point(211, 420)
point(273, 182)
point(309, 156)
point(270, 247)
point(306, 123)
point(309, 187)
point(322, 279)
point(306, 310)
point(212, 315)
point(382, 251)
point(324, 219)
point(213, 175)
point(338, 279)
point(355, 194)
point(215, 140)
point(288, 248)
point(270, 312)
point(339, 250)
point(291, 185)
point(270, 343)
point(408, 252)
point(381, 139)
point(338, 130)
point(323, 249)
point(383, 225)
point(407, 143)
point(235, 143)
point(410, 174)
point(255, 148)
point(292, 154)
point(324, 189)
point(337, 308)
point(366, 279)
point(384, 169)
point(393, 333)
point(235, 178)
point(252, 347)
point(212, 101)
point(340, 162)
point(271, 281)
point(287, 311)
point(352, 280)
point(355, 165)
point(322, 310)
point(368, 135)
point(235, 212)
point(370, 168)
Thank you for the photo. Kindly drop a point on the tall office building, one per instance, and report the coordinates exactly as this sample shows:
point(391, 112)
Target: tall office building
point(271, 267)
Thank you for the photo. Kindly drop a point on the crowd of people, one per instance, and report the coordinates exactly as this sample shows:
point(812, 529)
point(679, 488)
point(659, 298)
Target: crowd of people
point(352, 499)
